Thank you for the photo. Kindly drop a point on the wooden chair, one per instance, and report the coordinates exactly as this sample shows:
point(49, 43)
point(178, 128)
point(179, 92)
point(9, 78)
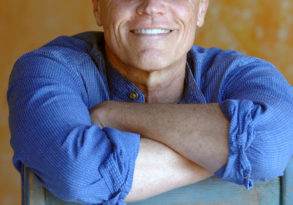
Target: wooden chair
point(208, 192)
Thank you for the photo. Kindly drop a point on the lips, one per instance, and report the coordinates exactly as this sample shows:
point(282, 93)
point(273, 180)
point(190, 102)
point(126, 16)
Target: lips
point(151, 31)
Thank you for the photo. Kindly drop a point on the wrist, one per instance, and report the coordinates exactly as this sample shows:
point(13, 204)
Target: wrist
point(100, 114)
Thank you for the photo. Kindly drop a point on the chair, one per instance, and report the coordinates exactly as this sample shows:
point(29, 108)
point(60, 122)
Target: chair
point(208, 192)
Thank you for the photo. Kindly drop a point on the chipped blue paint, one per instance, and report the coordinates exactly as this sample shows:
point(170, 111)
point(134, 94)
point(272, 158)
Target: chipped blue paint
point(287, 185)
point(214, 191)
point(208, 192)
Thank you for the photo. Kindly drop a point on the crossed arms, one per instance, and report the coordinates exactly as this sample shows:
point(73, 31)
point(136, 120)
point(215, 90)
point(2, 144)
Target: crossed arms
point(196, 132)
point(52, 132)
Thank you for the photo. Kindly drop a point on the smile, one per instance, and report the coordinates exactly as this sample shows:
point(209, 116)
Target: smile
point(153, 31)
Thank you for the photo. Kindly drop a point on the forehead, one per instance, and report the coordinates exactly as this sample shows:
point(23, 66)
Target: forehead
point(147, 2)
point(125, 6)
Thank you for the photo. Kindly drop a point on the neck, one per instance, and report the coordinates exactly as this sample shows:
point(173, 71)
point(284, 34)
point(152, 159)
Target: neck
point(159, 86)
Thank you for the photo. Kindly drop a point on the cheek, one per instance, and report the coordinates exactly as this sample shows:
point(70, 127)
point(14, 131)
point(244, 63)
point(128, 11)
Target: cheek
point(118, 11)
point(110, 13)
point(116, 30)
point(184, 8)
point(186, 13)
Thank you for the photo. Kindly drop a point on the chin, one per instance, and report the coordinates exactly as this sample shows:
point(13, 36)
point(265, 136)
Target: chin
point(151, 65)
point(152, 61)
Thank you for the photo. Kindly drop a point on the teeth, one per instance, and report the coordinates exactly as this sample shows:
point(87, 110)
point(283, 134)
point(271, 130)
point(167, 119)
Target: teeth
point(152, 31)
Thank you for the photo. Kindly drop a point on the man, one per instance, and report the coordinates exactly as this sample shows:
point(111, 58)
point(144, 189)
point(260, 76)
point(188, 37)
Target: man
point(139, 110)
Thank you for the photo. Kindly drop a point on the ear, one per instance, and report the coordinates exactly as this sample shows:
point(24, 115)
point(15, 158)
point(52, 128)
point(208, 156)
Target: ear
point(97, 11)
point(202, 10)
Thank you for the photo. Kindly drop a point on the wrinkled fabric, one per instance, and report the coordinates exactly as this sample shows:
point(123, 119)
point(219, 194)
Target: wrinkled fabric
point(52, 89)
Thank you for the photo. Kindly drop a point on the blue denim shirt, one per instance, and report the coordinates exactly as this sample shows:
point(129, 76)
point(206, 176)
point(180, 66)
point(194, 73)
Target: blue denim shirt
point(52, 89)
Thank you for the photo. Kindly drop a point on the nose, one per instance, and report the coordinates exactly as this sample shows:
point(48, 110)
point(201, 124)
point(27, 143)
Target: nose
point(151, 7)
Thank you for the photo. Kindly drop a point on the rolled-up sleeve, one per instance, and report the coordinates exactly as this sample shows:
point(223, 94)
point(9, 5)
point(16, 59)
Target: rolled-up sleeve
point(258, 101)
point(52, 133)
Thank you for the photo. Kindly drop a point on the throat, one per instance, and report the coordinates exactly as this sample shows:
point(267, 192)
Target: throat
point(163, 97)
point(164, 85)
point(168, 90)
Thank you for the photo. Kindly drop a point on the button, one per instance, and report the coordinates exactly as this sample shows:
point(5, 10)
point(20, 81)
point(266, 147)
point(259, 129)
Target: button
point(133, 95)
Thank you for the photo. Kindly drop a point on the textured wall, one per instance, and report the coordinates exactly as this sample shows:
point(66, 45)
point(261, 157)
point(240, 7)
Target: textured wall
point(262, 28)
point(25, 25)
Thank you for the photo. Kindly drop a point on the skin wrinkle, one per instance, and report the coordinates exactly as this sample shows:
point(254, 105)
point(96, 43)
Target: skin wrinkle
point(137, 59)
point(156, 64)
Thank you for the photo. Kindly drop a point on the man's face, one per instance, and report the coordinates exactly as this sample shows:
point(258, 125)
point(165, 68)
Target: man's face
point(149, 34)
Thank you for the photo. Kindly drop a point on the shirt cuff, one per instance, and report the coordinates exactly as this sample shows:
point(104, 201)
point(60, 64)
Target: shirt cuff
point(117, 170)
point(240, 137)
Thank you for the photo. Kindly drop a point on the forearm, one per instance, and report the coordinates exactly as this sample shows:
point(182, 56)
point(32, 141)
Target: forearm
point(159, 169)
point(198, 132)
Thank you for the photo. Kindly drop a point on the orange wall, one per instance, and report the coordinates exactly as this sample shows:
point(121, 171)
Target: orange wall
point(262, 28)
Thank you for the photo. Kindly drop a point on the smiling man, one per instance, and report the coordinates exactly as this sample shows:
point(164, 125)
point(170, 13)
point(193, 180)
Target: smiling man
point(139, 110)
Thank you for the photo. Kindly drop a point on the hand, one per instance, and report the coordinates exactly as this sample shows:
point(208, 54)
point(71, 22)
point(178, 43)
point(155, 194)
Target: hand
point(107, 114)
point(98, 113)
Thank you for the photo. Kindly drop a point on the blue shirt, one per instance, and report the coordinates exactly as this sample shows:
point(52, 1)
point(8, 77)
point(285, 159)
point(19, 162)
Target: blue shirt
point(52, 89)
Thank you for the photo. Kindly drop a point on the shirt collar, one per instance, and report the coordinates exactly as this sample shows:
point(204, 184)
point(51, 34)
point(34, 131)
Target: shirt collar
point(192, 93)
point(121, 89)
